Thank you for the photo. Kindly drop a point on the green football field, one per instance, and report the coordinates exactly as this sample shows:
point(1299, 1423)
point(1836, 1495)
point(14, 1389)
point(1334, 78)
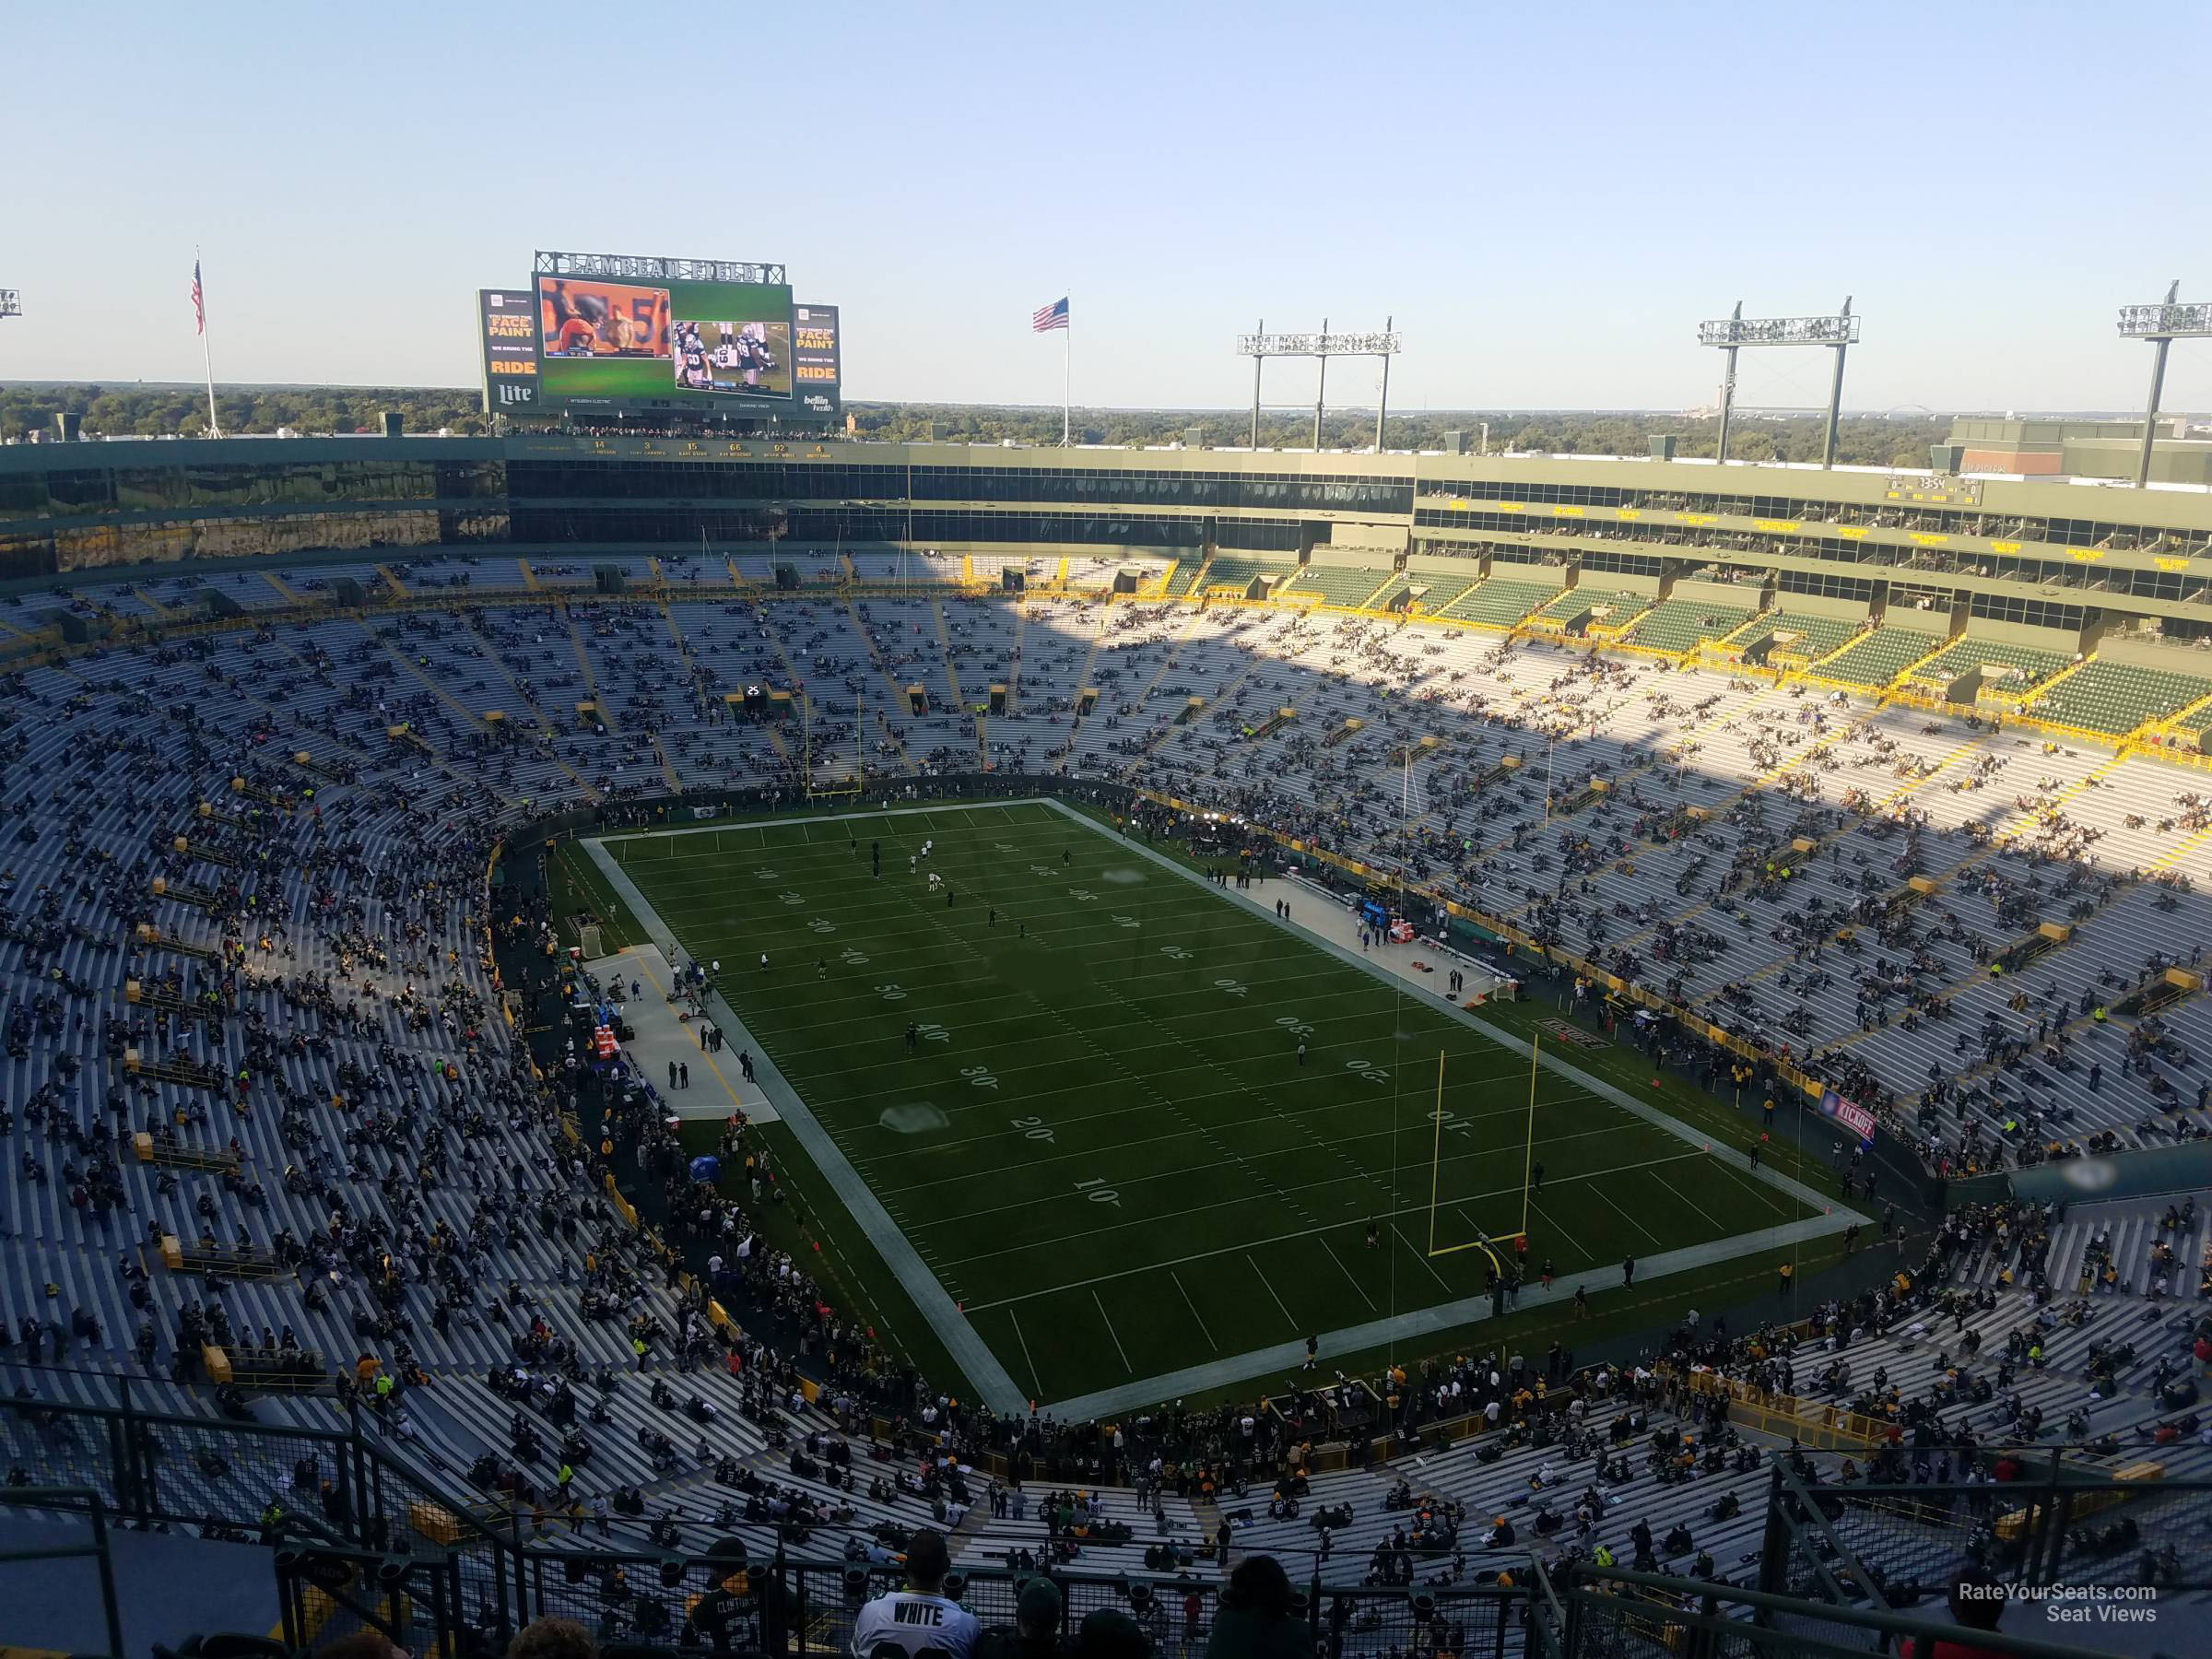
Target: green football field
point(1102, 1142)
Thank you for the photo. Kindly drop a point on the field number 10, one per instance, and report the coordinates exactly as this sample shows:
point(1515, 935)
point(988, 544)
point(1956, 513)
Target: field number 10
point(1098, 1191)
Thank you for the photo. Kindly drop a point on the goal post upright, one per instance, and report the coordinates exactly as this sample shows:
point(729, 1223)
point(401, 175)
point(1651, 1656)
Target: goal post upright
point(1436, 1170)
point(1528, 1157)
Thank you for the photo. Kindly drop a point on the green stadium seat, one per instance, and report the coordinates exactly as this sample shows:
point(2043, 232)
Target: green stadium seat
point(2116, 697)
point(1500, 603)
point(1878, 658)
point(1677, 625)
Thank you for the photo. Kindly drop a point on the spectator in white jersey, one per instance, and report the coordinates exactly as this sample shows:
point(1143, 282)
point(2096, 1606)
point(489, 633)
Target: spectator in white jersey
point(917, 1622)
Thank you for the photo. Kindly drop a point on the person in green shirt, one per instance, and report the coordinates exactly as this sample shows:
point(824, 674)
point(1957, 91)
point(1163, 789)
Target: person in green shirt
point(1036, 1633)
point(1257, 1619)
point(1110, 1633)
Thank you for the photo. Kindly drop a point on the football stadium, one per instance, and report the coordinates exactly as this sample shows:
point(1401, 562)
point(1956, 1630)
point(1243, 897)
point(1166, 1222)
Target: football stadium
point(672, 1020)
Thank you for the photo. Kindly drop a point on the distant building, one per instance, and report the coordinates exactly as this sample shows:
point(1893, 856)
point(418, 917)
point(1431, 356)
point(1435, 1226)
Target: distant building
point(2079, 449)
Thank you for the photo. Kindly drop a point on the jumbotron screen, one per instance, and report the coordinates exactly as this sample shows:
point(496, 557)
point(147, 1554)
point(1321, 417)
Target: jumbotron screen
point(657, 342)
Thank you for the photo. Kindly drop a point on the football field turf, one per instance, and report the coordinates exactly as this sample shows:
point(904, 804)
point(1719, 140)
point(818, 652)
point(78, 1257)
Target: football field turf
point(1101, 1141)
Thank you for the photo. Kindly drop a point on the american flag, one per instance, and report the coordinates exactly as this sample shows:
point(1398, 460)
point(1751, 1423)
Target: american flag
point(1050, 317)
point(199, 304)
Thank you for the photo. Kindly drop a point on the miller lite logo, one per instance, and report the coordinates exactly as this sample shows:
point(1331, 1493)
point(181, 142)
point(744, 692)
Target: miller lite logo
point(511, 393)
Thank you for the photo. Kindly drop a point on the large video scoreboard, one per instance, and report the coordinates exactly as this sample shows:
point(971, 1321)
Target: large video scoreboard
point(628, 332)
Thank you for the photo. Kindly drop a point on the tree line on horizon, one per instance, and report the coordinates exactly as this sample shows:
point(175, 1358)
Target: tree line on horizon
point(181, 410)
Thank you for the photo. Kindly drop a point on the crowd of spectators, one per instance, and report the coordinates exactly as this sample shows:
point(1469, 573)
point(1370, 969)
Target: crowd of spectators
point(379, 1174)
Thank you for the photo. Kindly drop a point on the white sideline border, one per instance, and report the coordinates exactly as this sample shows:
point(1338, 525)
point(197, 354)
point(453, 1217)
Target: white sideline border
point(969, 1350)
point(990, 1377)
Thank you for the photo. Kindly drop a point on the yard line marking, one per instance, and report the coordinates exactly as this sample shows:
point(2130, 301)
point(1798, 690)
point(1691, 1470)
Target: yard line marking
point(1686, 1198)
point(1347, 1274)
point(1563, 1232)
point(875, 816)
point(1035, 1384)
point(1632, 1220)
point(1410, 1209)
point(1123, 1112)
point(683, 879)
point(1262, 1044)
point(1148, 1019)
point(1761, 1192)
point(1265, 1041)
point(679, 880)
point(809, 862)
point(1420, 1256)
point(1194, 1307)
point(970, 1213)
point(1504, 1038)
point(1114, 1334)
point(1271, 1291)
point(712, 943)
point(986, 1373)
point(906, 906)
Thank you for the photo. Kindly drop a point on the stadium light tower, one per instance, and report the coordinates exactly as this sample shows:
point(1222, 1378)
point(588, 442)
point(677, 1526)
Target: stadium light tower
point(1262, 346)
point(2161, 325)
point(1839, 333)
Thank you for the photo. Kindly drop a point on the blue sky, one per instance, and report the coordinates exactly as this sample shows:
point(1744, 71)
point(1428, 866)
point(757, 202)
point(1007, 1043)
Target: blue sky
point(1546, 198)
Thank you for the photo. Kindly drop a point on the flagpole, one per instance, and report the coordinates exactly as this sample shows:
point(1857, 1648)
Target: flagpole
point(214, 427)
point(1067, 368)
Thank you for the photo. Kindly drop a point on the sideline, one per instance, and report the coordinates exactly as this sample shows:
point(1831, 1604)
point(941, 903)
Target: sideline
point(1423, 1322)
point(990, 1377)
point(1284, 1358)
point(819, 817)
point(1552, 1062)
point(970, 1352)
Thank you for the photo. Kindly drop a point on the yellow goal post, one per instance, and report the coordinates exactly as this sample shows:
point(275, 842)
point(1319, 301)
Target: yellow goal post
point(1481, 1240)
